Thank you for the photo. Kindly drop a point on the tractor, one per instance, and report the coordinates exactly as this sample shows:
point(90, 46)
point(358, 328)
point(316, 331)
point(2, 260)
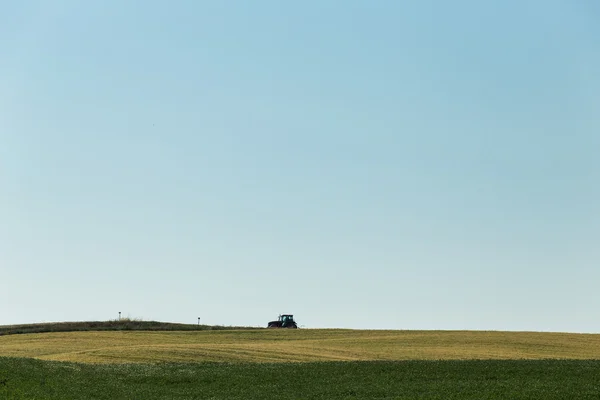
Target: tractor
point(284, 321)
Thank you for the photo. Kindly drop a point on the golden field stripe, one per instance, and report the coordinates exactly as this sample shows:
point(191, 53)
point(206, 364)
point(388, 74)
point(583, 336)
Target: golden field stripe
point(302, 345)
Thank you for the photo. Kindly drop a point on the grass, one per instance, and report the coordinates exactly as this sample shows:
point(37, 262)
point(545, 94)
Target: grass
point(492, 379)
point(303, 345)
point(127, 324)
point(123, 360)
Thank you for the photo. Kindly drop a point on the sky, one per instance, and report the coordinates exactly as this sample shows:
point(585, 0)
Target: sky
point(359, 164)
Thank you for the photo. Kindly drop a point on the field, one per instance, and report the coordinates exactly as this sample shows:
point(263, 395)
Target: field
point(548, 380)
point(302, 345)
point(302, 364)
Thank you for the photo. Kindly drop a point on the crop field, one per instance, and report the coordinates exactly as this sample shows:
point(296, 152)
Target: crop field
point(299, 364)
point(525, 379)
point(302, 345)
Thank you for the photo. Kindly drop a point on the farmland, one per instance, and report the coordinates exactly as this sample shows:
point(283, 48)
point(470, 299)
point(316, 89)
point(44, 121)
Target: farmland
point(302, 364)
point(493, 379)
point(303, 345)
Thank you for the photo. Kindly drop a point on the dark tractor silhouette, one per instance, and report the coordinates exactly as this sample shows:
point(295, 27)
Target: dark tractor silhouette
point(284, 321)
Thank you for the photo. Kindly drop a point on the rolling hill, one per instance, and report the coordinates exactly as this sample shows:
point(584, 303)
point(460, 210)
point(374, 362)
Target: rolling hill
point(210, 344)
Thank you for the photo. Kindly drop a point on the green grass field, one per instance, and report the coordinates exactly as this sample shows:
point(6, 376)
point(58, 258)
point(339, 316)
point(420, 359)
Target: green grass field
point(492, 379)
point(298, 364)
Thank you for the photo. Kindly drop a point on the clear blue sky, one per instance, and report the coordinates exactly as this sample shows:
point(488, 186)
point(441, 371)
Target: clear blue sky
point(360, 164)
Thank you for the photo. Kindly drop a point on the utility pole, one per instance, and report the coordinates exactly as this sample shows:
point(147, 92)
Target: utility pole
point(198, 321)
point(119, 315)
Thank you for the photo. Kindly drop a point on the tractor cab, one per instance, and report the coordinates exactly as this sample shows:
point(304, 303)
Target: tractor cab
point(286, 320)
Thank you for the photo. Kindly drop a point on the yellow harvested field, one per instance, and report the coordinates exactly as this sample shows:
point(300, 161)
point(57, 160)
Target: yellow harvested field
point(302, 345)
